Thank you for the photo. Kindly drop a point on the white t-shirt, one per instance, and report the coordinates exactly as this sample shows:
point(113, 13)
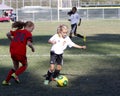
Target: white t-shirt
point(61, 43)
point(74, 18)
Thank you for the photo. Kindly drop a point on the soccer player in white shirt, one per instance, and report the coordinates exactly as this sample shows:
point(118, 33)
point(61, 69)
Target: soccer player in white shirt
point(59, 42)
point(75, 20)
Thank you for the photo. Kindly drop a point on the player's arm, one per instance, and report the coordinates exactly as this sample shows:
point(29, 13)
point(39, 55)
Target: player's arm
point(51, 41)
point(78, 46)
point(69, 19)
point(79, 22)
point(72, 44)
point(69, 14)
point(9, 36)
point(29, 43)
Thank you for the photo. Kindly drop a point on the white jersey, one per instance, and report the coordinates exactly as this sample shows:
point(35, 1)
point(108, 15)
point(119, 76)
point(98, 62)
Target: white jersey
point(61, 43)
point(74, 18)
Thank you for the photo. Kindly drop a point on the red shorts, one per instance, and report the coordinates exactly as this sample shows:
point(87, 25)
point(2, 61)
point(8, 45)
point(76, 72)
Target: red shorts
point(19, 58)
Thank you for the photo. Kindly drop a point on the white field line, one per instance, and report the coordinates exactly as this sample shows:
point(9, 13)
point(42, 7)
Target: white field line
point(70, 55)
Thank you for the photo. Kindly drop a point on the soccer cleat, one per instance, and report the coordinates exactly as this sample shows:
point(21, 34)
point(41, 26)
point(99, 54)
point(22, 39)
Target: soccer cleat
point(5, 83)
point(46, 82)
point(84, 38)
point(16, 78)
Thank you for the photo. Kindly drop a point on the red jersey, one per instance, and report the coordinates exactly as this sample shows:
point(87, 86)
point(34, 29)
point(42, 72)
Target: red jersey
point(19, 42)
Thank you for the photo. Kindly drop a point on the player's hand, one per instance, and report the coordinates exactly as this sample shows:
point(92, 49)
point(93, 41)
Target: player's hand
point(69, 19)
point(33, 50)
point(79, 24)
point(83, 47)
point(52, 42)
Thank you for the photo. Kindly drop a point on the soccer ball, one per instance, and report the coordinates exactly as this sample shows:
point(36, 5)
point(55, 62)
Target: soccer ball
point(62, 81)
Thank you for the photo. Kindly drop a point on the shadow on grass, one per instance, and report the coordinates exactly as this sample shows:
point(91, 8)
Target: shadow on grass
point(42, 39)
point(4, 42)
point(36, 40)
point(98, 44)
point(95, 44)
point(102, 82)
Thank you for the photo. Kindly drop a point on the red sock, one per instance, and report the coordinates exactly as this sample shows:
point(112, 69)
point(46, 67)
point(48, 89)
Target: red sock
point(20, 70)
point(9, 75)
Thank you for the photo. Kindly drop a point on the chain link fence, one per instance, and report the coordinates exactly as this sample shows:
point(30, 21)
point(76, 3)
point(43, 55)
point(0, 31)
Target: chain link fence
point(56, 10)
point(52, 14)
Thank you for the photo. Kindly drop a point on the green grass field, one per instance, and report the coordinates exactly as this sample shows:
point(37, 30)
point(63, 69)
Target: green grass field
point(91, 72)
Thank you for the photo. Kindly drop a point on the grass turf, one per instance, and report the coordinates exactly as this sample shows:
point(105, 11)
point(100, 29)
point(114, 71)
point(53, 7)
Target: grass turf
point(91, 72)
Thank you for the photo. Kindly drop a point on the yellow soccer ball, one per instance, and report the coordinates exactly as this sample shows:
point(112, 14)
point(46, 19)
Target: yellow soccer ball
point(62, 81)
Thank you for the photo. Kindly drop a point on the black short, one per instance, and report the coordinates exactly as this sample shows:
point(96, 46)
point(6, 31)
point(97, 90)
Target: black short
point(73, 28)
point(56, 58)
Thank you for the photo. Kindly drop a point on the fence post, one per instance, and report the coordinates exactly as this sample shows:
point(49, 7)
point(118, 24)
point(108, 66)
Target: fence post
point(103, 14)
point(58, 13)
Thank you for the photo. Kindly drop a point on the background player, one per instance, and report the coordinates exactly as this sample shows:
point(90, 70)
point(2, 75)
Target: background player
point(75, 20)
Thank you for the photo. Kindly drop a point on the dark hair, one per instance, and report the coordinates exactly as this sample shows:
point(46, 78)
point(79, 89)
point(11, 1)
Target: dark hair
point(21, 25)
point(18, 25)
point(74, 8)
point(70, 13)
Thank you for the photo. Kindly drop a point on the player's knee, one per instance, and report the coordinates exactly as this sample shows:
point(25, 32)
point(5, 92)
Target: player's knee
point(24, 65)
point(52, 67)
point(59, 67)
point(51, 70)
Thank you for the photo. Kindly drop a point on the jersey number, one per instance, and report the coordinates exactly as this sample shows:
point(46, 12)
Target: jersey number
point(19, 37)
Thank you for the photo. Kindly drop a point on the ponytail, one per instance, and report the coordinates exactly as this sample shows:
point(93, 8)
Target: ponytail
point(18, 25)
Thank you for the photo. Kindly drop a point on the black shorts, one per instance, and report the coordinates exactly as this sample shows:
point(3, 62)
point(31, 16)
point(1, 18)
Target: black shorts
point(56, 58)
point(73, 28)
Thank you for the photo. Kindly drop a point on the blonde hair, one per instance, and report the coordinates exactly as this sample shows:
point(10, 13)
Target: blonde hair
point(61, 27)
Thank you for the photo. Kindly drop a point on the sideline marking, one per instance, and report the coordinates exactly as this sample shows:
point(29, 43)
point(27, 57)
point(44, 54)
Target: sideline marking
point(70, 55)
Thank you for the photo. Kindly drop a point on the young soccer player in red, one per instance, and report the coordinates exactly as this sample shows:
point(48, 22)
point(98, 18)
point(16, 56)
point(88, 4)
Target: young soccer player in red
point(59, 42)
point(19, 39)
